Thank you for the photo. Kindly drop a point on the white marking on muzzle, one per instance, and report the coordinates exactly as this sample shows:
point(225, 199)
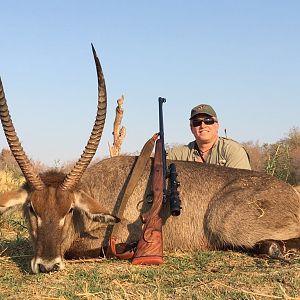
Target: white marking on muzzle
point(52, 265)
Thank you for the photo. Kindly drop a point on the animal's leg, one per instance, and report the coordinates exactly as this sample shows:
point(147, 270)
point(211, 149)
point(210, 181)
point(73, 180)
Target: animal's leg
point(85, 248)
point(244, 216)
point(293, 245)
point(88, 245)
point(277, 249)
point(273, 249)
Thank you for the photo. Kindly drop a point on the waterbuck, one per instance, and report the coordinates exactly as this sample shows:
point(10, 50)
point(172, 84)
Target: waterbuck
point(70, 215)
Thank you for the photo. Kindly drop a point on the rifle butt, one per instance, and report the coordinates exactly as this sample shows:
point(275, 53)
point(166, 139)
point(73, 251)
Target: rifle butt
point(150, 246)
point(149, 252)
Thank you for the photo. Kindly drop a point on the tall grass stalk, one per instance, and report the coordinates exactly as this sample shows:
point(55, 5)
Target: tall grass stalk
point(279, 162)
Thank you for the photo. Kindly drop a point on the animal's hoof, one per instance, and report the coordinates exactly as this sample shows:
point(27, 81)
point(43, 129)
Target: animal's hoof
point(270, 248)
point(275, 250)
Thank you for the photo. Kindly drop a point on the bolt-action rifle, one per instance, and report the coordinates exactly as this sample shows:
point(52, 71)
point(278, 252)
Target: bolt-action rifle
point(150, 246)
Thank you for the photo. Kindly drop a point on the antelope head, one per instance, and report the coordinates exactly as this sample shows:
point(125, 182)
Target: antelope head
point(49, 200)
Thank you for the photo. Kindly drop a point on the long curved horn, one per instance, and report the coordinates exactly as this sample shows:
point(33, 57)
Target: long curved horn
point(15, 146)
point(90, 149)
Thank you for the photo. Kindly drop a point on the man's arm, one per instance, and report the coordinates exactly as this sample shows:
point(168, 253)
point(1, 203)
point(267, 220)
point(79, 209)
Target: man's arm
point(236, 156)
point(181, 153)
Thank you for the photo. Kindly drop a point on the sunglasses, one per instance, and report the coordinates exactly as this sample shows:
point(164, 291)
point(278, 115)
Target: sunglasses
point(206, 121)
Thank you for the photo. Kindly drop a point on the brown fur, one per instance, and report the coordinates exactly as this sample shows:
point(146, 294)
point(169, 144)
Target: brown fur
point(297, 188)
point(221, 208)
point(49, 205)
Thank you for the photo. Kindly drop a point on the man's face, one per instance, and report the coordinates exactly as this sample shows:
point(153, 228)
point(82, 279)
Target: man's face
point(205, 133)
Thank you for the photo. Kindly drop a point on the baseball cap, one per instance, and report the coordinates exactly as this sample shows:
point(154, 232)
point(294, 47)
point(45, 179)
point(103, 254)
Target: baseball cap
point(203, 109)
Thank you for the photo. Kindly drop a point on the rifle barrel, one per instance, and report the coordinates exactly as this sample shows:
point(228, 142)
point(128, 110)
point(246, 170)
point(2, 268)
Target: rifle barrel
point(161, 136)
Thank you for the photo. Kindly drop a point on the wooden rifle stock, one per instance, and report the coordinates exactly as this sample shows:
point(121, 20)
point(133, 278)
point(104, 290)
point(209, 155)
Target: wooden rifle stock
point(150, 246)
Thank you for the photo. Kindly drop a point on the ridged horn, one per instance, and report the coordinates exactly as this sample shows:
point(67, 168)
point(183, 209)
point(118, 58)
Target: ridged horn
point(75, 174)
point(15, 146)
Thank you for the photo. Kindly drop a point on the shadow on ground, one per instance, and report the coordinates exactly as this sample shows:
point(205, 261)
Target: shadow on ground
point(19, 251)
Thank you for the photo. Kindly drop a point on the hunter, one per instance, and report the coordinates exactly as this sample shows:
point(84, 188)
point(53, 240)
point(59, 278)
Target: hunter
point(208, 146)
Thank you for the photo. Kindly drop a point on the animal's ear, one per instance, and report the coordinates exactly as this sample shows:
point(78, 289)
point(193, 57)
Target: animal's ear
point(93, 209)
point(12, 198)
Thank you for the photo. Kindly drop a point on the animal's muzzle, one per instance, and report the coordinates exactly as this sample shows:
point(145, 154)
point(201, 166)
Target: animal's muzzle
point(44, 269)
point(39, 265)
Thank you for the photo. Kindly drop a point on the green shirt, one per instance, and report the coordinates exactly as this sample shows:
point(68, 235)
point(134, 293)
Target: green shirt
point(225, 152)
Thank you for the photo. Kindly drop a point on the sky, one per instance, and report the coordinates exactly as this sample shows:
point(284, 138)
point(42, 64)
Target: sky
point(240, 56)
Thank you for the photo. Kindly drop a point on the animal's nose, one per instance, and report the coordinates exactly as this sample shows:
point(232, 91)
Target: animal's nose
point(44, 269)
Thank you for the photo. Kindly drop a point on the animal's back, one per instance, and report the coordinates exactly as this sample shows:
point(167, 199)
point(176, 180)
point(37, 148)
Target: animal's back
point(220, 205)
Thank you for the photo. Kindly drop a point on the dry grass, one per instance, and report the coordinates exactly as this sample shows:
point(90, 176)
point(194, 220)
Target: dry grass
point(8, 181)
point(201, 275)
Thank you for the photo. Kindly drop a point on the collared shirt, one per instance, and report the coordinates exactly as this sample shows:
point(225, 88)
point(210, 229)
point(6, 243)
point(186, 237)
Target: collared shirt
point(225, 152)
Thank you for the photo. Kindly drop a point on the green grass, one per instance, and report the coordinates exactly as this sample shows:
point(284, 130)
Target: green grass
point(225, 276)
point(200, 275)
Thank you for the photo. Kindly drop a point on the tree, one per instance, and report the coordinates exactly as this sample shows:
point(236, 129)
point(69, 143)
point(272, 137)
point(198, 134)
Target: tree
point(118, 133)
